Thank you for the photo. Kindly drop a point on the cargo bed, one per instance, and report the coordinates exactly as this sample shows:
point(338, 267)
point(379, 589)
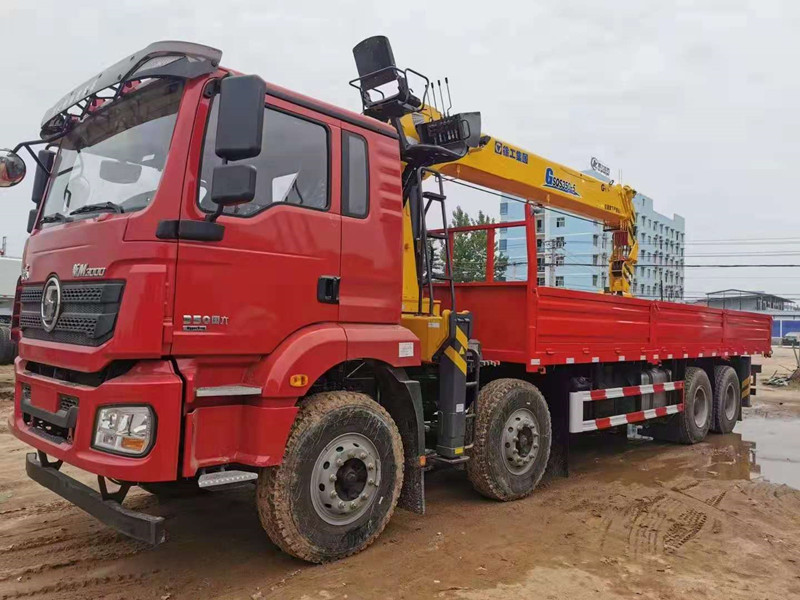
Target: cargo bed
point(522, 322)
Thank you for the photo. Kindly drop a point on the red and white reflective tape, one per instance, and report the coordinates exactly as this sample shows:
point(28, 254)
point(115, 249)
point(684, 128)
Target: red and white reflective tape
point(634, 417)
point(632, 390)
point(577, 399)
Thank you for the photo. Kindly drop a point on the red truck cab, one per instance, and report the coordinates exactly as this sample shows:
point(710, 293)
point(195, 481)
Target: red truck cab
point(204, 346)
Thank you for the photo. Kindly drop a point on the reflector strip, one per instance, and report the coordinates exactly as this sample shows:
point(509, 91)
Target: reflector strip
point(633, 390)
point(633, 417)
point(577, 399)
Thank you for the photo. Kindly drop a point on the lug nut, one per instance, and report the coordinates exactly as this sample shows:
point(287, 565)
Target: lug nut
point(339, 462)
point(364, 496)
point(362, 456)
point(354, 504)
point(341, 504)
point(333, 493)
point(372, 482)
point(370, 466)
point(332, 477)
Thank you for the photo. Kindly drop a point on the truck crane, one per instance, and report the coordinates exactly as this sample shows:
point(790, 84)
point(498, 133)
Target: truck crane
point(229, 283)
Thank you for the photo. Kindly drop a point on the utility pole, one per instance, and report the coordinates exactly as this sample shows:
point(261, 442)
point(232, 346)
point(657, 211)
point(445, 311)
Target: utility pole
point(551, 248)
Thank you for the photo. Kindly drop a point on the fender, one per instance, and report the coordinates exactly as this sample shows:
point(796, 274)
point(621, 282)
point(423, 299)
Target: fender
point(313, 350)
point(309, 351)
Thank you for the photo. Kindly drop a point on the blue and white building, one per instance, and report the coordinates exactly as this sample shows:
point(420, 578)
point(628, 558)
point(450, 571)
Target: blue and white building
point(573, 252)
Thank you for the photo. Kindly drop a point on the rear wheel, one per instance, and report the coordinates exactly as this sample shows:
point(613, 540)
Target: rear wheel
point(691, 425)
point(339, 481)
point(511, 440)
point(727, 399)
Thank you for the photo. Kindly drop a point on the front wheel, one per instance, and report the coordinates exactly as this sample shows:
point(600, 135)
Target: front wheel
point(339, 481)
point(511, 441)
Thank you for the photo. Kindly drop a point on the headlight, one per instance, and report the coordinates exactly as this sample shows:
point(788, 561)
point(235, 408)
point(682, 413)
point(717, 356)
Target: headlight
point(124, 429)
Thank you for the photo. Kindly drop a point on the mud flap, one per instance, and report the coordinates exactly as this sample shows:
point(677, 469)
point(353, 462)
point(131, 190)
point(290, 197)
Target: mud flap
point(412, 496)
point(558, 463)
point(402, 397)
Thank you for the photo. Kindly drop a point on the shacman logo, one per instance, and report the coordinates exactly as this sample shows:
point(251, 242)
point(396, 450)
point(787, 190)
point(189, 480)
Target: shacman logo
point(84, 270)
point(562, 185)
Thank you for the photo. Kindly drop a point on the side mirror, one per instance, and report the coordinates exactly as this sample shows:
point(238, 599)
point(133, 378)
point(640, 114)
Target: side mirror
point(232, 185)
point(119, 172)
point(240, 120)
point(12, 168)
point(47, 158)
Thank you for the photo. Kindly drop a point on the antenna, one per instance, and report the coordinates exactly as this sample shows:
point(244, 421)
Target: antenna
point(449, 97)
point(433, 93)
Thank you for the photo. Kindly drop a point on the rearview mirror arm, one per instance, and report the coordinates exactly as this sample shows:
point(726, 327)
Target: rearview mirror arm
point(27, 146)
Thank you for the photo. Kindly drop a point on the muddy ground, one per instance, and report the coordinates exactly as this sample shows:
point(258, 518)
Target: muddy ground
point(637, 519)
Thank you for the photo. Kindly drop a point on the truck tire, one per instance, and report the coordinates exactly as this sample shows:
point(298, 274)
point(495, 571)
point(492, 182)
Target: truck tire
point(727, 399)
point(511, 440)
point(339, 481)
point(691, 425)
point(8, 348)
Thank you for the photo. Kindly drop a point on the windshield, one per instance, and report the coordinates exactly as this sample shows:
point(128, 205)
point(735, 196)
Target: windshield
point(115, 157)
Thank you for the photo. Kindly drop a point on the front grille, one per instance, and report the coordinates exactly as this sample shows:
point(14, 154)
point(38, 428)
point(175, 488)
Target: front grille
point(88, 312)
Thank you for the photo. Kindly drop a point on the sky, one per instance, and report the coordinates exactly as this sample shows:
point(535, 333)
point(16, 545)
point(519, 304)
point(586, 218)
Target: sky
point(695, 104)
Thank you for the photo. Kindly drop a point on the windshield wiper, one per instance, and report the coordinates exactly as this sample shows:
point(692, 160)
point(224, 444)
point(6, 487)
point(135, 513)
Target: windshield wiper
point(101, 206)
point(55, 218)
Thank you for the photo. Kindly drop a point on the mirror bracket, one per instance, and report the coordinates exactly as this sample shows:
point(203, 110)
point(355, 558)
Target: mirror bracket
point(27, 146)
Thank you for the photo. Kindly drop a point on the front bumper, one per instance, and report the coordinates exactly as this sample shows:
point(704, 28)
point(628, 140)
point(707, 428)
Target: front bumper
point(151, 382)
point(140, 526)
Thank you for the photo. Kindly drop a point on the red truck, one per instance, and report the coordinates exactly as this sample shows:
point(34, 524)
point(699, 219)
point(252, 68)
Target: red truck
point(227, 281)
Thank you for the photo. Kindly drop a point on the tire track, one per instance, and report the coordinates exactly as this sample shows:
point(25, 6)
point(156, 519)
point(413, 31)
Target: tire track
point(61, 587)
point(688, 526)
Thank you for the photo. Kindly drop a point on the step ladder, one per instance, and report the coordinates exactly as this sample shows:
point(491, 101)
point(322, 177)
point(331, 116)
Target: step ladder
point(426, 274)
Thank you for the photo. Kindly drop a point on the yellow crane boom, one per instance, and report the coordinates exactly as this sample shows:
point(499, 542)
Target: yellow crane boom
point(507, 168)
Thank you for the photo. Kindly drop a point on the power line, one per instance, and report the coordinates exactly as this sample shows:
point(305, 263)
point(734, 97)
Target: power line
point(720, 241)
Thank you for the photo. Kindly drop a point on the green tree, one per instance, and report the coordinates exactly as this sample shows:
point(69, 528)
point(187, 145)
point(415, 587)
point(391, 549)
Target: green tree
point(469, 249)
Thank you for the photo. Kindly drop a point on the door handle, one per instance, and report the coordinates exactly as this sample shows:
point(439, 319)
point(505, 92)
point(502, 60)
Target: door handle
point(328, 289)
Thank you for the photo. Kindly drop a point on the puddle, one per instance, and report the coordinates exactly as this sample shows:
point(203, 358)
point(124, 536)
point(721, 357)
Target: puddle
point(759, 448)
point(776, 447)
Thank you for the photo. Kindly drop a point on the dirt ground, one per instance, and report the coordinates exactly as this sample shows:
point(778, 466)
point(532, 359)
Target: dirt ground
point(636, 519)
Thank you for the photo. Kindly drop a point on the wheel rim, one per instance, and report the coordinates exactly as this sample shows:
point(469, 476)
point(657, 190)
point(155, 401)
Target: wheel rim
point(520, 441)
point(345, 479)
point(730, 402)
point(700, 407)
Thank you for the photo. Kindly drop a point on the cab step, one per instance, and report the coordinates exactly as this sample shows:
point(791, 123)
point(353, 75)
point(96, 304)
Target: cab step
point(218, 478)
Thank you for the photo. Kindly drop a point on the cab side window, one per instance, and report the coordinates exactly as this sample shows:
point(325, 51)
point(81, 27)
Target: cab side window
point(292, 166)
point(355, 176)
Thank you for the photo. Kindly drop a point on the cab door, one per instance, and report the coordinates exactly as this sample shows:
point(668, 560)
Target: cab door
point(277, 268)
